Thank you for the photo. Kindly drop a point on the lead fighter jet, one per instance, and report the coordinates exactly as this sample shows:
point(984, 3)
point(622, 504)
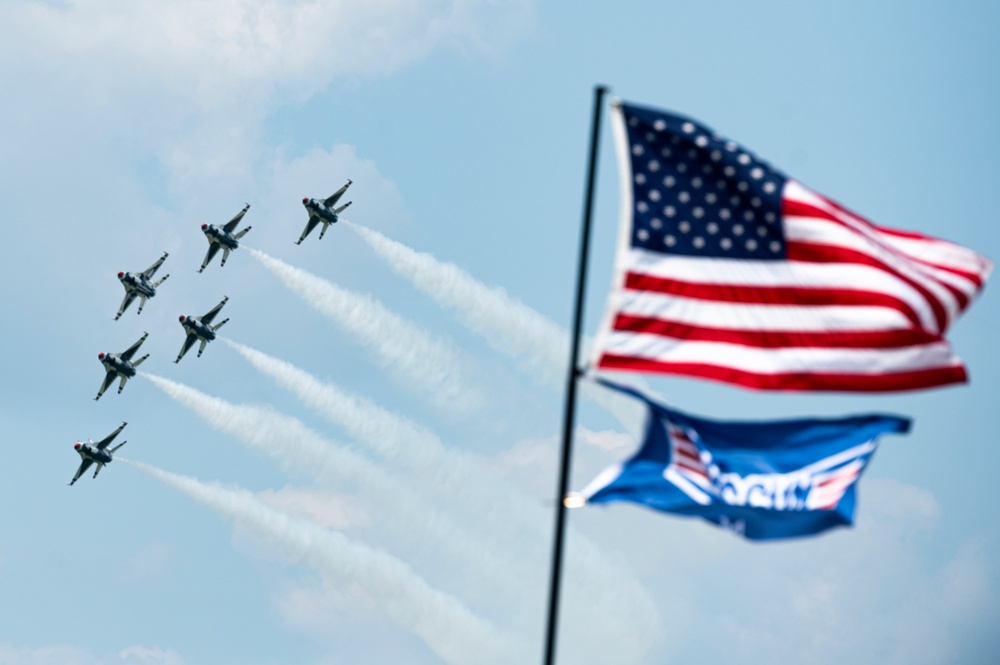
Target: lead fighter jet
point(323, 211)
point(224, 237)
point(91, 452)
point(120, 365)
point(198, 327)
point(139, 285)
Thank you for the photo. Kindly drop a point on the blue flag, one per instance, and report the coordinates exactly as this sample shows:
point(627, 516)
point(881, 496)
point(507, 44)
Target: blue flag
point(763, 480)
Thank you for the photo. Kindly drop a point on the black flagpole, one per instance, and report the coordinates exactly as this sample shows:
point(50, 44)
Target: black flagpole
point(567, 434)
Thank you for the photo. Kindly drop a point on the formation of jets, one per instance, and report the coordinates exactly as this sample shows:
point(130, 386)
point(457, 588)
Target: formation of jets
point(140, 285)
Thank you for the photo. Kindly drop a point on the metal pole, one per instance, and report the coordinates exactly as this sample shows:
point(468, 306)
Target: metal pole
point(568, 420)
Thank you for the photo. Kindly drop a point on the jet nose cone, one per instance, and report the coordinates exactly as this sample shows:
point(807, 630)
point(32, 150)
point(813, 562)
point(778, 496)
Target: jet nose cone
point(120, 274)
point(77, 445)
point(100, 356)
point(204, 227)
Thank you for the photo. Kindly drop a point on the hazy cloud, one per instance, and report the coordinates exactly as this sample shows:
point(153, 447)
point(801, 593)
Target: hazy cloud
point(140, 655)
point(61, 654)
point(211, 54)
point(151, 561)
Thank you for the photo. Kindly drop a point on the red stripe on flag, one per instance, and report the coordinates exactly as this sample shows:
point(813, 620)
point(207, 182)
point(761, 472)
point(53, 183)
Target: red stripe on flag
point(773, 339)
point(797, 208)
point(792, 381)
point(812, 253)
point(769, 295)
point(687, 454)
point(691, 469)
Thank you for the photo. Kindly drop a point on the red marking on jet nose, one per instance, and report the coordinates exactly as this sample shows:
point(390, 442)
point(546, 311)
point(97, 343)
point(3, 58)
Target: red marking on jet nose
point(100, 356)
point(77, 445)
point(305, 200)
point(204, 226)
point(182, 318)
point(120, 274)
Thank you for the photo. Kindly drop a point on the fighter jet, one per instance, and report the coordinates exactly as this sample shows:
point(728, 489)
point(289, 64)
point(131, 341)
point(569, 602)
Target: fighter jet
point(198, 327)
point(139, 285)
point(120, 365)
point(91, 452)
point(323, 211)
point(224, 237)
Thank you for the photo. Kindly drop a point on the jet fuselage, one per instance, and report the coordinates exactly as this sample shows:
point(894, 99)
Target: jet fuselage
point(193, 326)
point(87, 451)
point(317, 208)
point(137, 284)
point(219, 236)
point(113, 363)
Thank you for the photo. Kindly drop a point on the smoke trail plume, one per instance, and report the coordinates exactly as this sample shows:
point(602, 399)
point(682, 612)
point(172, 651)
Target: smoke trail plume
point(294, 445)
point(446, 625)
point(506, 521)
point(510, 326)
point(392, 436)
point(431, 366)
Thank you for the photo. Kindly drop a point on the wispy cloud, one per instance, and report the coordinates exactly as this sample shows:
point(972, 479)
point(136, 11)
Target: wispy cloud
point(64, 654)
point(211, 53)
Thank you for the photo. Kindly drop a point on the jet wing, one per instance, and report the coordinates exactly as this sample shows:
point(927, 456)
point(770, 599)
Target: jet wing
point(212, 249)
point(103, 443)
point(84, 465)
point(129, 297)
point(188, 343)
point(231, 224)
point(151, 270)
point(207, 318)
point(130, 351)
point(336, 195)
point(310, 225)
point(109, 378)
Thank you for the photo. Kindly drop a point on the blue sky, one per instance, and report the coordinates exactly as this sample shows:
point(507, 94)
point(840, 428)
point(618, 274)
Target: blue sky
point(423, 489)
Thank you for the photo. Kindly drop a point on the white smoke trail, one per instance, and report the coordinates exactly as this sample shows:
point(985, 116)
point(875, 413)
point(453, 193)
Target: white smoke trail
point(433, 367)
point(507, 522)
point(294, 445)
point(442, 621)
point(394, 437)
point(510, 326)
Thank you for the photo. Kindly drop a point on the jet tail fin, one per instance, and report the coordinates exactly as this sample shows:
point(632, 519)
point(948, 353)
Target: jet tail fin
point(343, 207)
point(117, 447)
point(160, 281)
point(242, 233)
point(219, 325)
point(139, 361)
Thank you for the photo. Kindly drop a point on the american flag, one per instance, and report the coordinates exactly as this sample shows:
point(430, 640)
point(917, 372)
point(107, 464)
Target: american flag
point(729, 270)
